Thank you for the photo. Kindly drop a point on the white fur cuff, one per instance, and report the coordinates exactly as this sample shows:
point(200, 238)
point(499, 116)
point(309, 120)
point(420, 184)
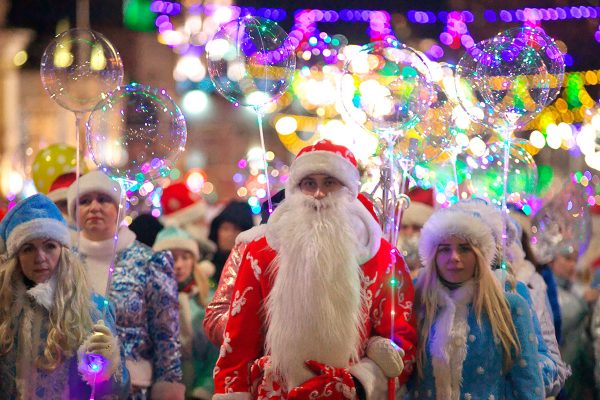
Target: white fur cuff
point(232, 396)
point(371, 377)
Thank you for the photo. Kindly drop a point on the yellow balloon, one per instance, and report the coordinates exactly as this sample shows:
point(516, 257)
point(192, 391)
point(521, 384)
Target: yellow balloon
point(51, 162)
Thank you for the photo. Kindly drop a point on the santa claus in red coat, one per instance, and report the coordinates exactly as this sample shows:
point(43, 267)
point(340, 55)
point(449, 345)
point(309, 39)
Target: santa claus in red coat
point(322, 305)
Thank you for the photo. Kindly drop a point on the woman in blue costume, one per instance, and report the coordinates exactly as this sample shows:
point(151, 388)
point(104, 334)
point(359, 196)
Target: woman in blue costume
point(476, 341)
point(51, 335)
point(143, 288)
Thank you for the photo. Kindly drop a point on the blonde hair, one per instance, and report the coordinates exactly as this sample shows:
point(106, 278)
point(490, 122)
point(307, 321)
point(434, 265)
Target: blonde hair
point(488, 299)
point(70, 319)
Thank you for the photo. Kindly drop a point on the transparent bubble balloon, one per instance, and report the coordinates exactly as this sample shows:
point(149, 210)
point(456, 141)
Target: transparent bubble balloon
point(514, 78)
point(464, 127)
point(251, 61)
point(79, 68)
point(486, 173)
point(470, 92)
point(432, 134)
point(50, 163)
point(563, 225)
point(549, 52)
point(136, 134)
point(386, 88)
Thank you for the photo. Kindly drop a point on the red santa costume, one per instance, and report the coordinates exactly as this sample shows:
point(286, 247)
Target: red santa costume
point(313, 297)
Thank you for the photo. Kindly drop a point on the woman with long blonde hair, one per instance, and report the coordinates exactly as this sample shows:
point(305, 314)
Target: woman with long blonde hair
point(52, 342)
point(475, 341)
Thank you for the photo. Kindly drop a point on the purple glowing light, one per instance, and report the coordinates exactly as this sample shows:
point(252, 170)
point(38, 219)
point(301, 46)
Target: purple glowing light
point(467, 16)
point(505, 16)
point(490, 15)
point(467, 41)
point(435, 52)
point(446, 38)
point(568, 60)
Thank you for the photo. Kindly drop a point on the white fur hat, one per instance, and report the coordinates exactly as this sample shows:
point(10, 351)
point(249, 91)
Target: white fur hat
point(455, 221)
point(175, 238)
point(95, 181)
point(33, 218)
point(324, 157)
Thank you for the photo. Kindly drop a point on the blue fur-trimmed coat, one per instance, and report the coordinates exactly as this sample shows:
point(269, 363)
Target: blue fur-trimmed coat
point(144, 291)
point(465, 362)
point(20, 379)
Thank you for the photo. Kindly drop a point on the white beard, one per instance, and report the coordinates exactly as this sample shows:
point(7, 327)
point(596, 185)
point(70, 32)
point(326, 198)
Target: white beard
point(316, 306)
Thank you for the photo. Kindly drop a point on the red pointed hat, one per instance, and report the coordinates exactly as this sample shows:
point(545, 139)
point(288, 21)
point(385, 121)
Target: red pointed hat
point(325, 157)
point(421, 207)
point(180, 205)
point(59, 188)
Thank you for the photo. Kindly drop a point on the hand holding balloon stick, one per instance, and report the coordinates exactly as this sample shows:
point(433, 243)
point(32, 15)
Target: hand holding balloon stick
point(99, 356)
point(251, 62)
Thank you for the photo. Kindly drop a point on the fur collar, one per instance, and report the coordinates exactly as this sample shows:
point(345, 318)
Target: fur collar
point(43, 293)
point(104, 248)
point(448, 344)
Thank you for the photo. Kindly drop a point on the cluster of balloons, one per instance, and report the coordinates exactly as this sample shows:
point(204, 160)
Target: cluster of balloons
point(135, 132)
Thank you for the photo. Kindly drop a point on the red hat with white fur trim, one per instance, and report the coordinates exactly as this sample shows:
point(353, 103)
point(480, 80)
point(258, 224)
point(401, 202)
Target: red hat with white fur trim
point(420, 208)
point(180, 205)
point(324, 157)
point(60, 187)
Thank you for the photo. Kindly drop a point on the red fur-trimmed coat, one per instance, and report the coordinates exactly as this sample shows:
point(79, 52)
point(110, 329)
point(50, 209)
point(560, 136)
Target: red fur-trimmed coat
point(244, 337)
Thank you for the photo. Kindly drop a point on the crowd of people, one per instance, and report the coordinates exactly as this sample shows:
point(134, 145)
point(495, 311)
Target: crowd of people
point(313, 302)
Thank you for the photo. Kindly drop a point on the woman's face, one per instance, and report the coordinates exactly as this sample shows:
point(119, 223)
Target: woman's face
point(226, 235)
point(39, 258)
point(455, 260)
point(184, 263)
point(97, 216)
point(563, 266)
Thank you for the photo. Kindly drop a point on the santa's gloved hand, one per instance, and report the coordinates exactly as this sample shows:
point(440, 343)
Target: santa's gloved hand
point(387, 355)
point(333, 383)
point(99, 355)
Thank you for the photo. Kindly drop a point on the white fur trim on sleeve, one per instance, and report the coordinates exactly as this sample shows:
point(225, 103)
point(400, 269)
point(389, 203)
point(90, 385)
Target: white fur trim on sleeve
point(371, 377)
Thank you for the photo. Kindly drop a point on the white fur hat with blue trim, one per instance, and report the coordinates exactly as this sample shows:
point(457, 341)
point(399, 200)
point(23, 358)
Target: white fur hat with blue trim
point(456, 221)
point(35, 217)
